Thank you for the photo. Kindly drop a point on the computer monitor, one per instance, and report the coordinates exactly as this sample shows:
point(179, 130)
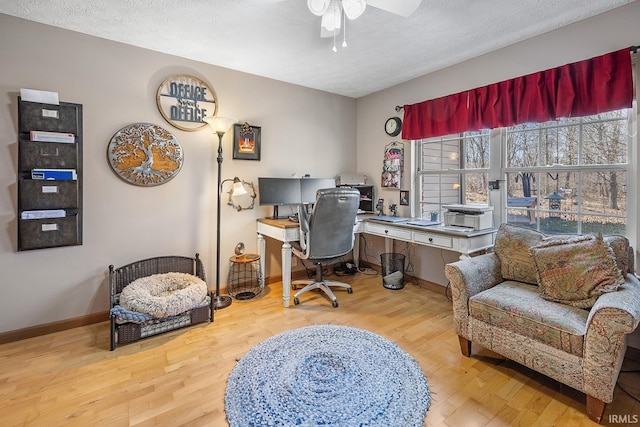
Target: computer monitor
point(309, 187)
point(279, 191)
point(290, 191)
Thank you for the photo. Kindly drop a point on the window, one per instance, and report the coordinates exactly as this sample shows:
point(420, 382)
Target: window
point(565, 176)
point(573, 173)
point(452, 169)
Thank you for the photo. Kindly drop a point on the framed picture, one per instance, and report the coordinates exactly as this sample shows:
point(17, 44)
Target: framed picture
point(246, 142)
point(404, 197)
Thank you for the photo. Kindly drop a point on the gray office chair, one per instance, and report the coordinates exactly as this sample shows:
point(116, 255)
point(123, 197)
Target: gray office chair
point(326, 235)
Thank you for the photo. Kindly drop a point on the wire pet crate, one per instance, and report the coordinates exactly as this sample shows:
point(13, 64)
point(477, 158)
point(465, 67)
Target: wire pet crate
point(243, 281)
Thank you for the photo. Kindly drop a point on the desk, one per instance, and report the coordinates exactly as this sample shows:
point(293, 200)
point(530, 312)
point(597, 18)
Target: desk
point(286, 231)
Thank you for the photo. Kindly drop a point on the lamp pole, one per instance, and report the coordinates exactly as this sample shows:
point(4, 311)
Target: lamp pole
point(220, 301)
point(220, 126)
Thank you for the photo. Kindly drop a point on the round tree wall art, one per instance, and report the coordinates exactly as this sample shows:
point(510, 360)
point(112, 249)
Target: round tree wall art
point(145, 154)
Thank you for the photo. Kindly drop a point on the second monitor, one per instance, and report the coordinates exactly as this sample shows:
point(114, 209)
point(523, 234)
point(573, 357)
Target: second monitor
point(309, 187)
point(290, 191)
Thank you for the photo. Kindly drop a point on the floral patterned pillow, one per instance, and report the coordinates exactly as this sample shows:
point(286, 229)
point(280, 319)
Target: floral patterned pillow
point(512, 247)
point(620, 246)
point(576, 271)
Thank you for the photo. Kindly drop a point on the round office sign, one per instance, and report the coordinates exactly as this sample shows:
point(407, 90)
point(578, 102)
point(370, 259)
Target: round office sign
point(185, 100)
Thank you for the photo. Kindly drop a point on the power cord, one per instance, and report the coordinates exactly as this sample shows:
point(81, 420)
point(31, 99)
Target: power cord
point(367, 271)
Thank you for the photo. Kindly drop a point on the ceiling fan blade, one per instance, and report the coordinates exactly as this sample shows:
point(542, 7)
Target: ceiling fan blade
point(398, 7)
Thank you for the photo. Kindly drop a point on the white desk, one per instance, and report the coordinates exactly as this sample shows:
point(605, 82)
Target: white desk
point(286, 231)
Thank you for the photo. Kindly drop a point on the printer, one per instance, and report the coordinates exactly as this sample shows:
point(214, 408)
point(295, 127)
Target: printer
point(351, 179)
point(472, 216)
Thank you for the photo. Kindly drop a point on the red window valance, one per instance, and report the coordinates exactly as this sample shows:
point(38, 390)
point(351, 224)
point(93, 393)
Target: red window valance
point(583, 88)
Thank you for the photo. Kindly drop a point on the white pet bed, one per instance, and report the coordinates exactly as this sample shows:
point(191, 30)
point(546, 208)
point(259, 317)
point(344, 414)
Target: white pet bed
point(164, 295)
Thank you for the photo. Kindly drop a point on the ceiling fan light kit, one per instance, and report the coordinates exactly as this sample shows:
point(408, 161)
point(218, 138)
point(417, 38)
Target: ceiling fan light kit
point(318, 7)
point(335, 12)
point(353, 8)
point(331, 18)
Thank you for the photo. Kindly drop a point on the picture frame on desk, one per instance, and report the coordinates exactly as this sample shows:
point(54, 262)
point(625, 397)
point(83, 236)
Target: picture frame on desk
point(404, 197)
point(246, 141)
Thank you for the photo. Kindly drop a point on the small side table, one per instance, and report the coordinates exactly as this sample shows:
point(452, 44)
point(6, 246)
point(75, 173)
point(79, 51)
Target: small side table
point(244, 279)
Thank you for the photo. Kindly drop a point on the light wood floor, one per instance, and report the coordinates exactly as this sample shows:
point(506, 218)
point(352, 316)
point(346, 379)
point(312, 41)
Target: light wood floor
point(71, 378)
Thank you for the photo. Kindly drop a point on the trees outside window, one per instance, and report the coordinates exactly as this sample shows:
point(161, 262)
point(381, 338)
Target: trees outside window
point(565, 176)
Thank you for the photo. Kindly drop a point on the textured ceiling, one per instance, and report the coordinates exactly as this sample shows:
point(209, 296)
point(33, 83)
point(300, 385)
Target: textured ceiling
point(280, 39)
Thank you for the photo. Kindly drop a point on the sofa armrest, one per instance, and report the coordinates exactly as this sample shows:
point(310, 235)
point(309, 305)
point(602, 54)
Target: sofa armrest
point(614, 315)
point(469, 277)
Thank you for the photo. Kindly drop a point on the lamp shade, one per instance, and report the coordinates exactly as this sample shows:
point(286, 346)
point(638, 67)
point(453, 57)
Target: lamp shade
point(219, 124)
point(238, 188)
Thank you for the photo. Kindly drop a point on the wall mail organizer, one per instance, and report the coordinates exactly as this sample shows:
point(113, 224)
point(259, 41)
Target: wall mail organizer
point(49, 175)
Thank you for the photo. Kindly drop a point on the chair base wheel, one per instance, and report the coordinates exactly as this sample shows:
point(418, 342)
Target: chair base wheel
point(335, 304)
point(349, 290)
point(294, 287)
point(296, 301)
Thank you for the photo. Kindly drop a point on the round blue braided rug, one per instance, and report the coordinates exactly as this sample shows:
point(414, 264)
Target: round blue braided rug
point(327, 375)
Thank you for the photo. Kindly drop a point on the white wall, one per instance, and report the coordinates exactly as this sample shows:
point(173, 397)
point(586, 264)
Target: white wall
point(596, 36)
point(117, 86)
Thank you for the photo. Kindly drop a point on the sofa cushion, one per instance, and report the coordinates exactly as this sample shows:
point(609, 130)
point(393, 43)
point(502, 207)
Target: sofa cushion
point(622, 251)
point(519, 308)
point(513, 243)
point(576, 271)
point(512, 247)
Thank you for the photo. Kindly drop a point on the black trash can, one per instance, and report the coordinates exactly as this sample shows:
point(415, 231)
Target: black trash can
point(392, 270)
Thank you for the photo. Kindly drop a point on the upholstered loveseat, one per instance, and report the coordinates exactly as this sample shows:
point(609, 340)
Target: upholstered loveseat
point(560, 305)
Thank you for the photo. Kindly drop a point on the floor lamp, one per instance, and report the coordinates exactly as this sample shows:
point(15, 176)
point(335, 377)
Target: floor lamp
point(220, 126)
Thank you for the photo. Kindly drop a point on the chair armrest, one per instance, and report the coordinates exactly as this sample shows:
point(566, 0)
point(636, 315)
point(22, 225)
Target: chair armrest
point(622, 306)
point(614, 315)
point(303, 221)
point(469, 277)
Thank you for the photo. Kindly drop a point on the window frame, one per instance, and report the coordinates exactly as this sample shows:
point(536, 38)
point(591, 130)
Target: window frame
point(498, 169)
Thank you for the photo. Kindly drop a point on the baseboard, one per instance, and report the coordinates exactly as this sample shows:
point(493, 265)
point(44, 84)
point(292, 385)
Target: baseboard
point(48, 328)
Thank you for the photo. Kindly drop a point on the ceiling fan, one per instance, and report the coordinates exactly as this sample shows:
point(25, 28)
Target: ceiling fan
point(335, 12)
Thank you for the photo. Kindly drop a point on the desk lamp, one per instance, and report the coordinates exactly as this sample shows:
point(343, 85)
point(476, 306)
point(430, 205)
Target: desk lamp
point(220, 126)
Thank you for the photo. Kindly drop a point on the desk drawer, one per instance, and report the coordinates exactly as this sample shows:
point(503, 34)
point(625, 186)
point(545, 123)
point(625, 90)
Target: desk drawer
point(388, 231)
point(433, 239)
